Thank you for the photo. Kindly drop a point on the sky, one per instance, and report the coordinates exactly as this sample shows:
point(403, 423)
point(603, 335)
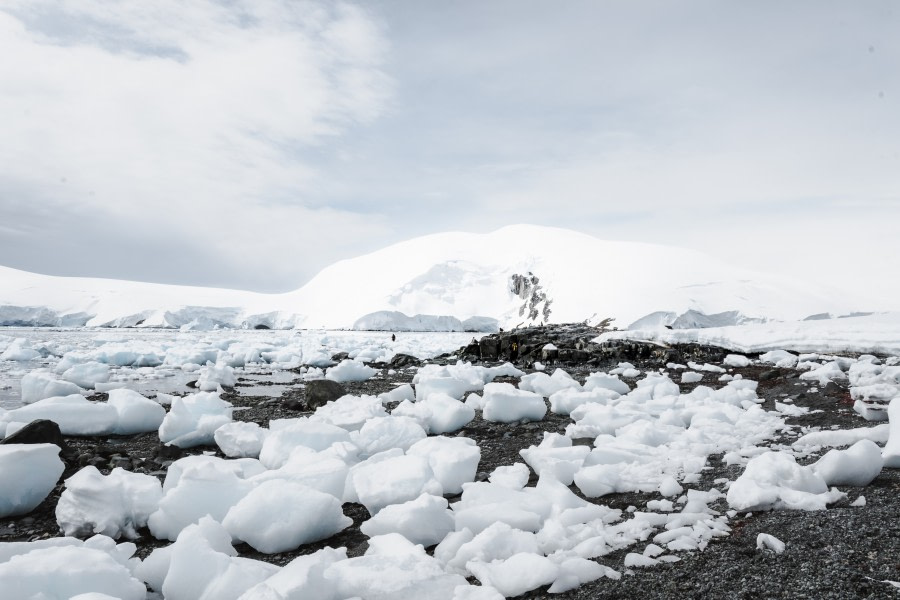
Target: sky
point(250, 143)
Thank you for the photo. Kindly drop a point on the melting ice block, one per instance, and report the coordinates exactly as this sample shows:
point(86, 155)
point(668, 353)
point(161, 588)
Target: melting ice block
point(504, 403)
point(28, 473)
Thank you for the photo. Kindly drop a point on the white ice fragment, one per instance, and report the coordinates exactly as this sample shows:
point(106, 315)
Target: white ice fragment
point(349, 370)
point(517, 574)
point(240, 439)
point(425, 520)
point(764, 541)
point(282, 515)
point(114, 505)
point(857, 466)
point(28, 473)
point(506, 404)
point(193, 419)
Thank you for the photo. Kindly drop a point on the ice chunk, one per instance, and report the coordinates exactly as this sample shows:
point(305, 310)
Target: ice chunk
point(547, 385)
point(240, 439)
point(514, 477)
point(779, 358)
point(857, 466)
point(736, 360)
point(383, 433)
point(425, 520)
point(202, 488)
point(87, 374)
point(764, 541)
point(454, 461)
point(565, 401)
point(28, 473)
point(193, 420)
point(283, 515)
point(277, 447)
point(605, 381)
point(691, 377)
point(444, 414)
point(392, 481)
point(303, 577)
point(134, 413)
point(517, 574)
point(349, 370)
point(115, 505)
point(775, 480)
point(38, 385)
point(19, 350)
point(891, 452)
point(556, 457)
point(393, 568)
point(212, 376)
point(61, 572)
point(350, 412)
point(506, 404)
point(203, 566)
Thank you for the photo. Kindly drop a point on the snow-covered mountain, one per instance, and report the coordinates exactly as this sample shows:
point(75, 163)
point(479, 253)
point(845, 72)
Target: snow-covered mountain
point(517, 274)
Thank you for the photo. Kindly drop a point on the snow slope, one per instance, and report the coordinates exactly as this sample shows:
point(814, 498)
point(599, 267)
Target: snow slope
point(561, 276)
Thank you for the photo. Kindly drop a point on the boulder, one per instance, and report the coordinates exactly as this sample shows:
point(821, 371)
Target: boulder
point(320, 392)
point(41, 431)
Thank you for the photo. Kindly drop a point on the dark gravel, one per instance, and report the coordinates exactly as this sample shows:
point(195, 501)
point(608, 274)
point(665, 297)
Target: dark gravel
point(843, 552)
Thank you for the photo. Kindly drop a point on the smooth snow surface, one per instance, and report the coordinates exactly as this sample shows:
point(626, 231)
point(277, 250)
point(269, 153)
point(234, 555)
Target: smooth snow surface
point(456, 275)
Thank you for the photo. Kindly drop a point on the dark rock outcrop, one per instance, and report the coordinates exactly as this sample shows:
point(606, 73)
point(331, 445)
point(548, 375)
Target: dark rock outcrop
point(41, 431)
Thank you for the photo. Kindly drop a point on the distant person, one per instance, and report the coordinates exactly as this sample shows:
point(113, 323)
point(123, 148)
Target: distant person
point(393, 338)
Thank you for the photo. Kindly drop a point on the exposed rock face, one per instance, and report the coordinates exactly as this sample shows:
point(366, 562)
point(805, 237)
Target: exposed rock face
point(319, 392)
point(572, 343)
point(537, 305)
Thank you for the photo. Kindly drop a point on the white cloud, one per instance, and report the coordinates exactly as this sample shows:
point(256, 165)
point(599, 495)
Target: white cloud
point(195, 118)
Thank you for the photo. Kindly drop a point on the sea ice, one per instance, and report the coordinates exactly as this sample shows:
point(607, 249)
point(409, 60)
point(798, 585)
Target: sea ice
point(38, 385)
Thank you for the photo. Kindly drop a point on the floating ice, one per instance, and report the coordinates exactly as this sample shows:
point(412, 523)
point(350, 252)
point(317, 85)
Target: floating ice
point(28, 473)
point(115, 505)
point(193, 419)
point(86, 375)
point(38, 385)
point(19, 350)
point(214, 375)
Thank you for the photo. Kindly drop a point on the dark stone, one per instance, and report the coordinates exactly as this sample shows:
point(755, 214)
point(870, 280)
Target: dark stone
point(169, 452)
point(340, 356)
point(832, 389)
point(490, 347)
point(404, 360)
point(41, 431)
point(261, 326)
point(768, 375)
point(294, 403)
point(320, 392)
point(191, 384)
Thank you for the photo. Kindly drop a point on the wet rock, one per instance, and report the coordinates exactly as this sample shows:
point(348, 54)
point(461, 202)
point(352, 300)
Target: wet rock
point(339, 356)
point(404, 360)
point(169, 452)
point(769, 375)
point(319, 392)
point(41, 431)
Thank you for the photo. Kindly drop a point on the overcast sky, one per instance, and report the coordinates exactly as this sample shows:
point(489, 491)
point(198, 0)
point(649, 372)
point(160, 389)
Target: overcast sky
point(249, 143)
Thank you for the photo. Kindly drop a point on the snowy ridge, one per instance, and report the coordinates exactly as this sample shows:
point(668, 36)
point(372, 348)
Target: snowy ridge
point(518, 275)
